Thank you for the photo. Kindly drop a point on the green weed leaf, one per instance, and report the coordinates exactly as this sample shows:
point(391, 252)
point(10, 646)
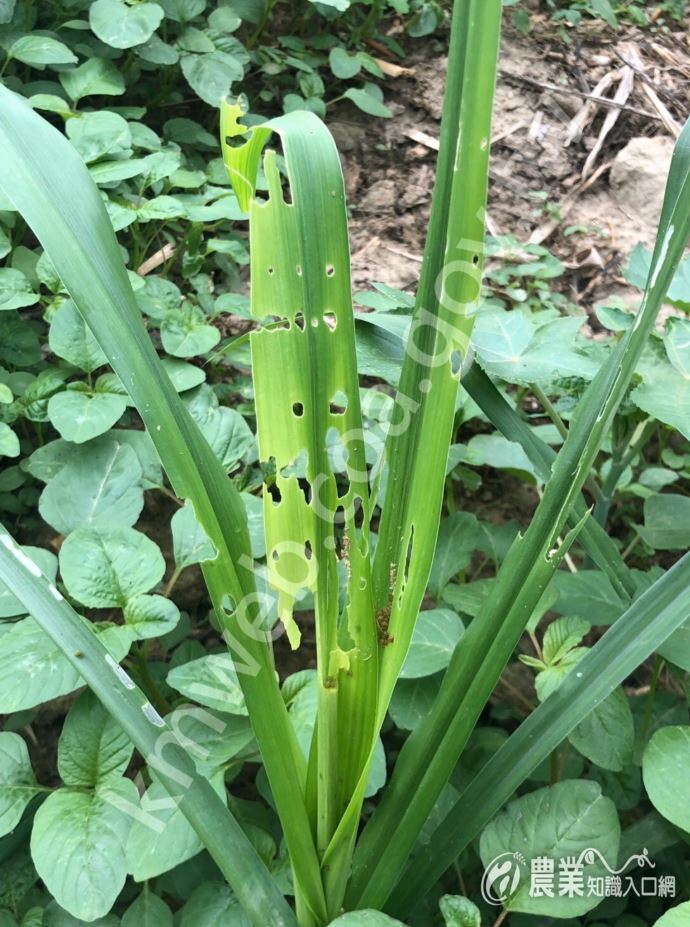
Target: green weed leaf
point(93, 748)
point(90, 870)
point(17, 780)
point(664, 771)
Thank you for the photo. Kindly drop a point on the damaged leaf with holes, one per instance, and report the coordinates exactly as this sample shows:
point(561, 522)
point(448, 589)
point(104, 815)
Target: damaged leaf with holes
point(307, 405)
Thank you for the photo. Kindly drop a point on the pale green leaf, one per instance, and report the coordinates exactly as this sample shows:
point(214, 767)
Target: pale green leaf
point(587, 593)
point(436, 633)
point(148, 910)
point(367, 102)
point(161, 836)
point(665, 772)
point(190, 542)
point(15, 290)
point(213, 905)
point(666, 522)
point(212, 75)
point(457, 540)
point(151, 616)
point(40, 50)
point(675, 917)
point(210, 681)
point(511, 346)
point(607, 735)
point(78, 847)
point(99, 133)
point(17, 780)
point(9, 442)
point(460, 912)
point(80, 414)
point(104, 567)
point(93, 748)
point(70, 338)
point(98, 487)
point(343, 65)
point(123, 26)
point(562, 636)
point(34, 670)
point(188, 333)
point(96, 76)
point(555, 822)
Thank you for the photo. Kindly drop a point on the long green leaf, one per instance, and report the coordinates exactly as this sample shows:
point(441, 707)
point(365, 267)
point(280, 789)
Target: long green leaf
point(220, 833)
point(640, 631)
point(48, 183)
point(438, 342)
point(431, 752)
point(425, 403)
point(307, 398)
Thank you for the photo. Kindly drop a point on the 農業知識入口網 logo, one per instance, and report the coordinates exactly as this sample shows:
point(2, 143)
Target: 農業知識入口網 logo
point(568, 877)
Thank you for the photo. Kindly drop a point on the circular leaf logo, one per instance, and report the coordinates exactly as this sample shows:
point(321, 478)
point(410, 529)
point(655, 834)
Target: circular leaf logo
point(501, 878)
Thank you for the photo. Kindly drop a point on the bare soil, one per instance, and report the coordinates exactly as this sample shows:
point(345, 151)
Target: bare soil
point(548, 183)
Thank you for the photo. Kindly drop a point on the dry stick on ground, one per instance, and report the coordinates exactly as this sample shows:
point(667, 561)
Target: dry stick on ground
point(603, 101)
point(625, 86)
point(635, 62)
point(586, 113)
point(160, 257)
point(423, 138)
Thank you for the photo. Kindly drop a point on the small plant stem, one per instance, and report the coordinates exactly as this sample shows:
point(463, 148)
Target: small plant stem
point(371, 20)
point(517, 695)
point(501, 917)
point(461, 880)
point(535, 644)
point(619, 464)
point(550, 410)
point(555, 767)
point(649, 704)
point(170, 585)
point(552, 413)
point(261, 25)
point(631, 546)
point(572, 566)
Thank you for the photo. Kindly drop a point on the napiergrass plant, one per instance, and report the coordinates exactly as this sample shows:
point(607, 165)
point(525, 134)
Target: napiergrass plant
point(354, 528)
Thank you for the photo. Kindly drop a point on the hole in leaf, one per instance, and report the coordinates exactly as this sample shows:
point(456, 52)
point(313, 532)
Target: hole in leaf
point(275, 555)
point(298, 270)
point(271, 271)
point(298, 409)
point(299, 320)
point(330, 270)
point(359, 512)
point(284, 183)
point(456, 363)
point(408, 558)
point(308, 552)
point(274, 493)
point(331, 320)
point(338, 404)
point(238, 141)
